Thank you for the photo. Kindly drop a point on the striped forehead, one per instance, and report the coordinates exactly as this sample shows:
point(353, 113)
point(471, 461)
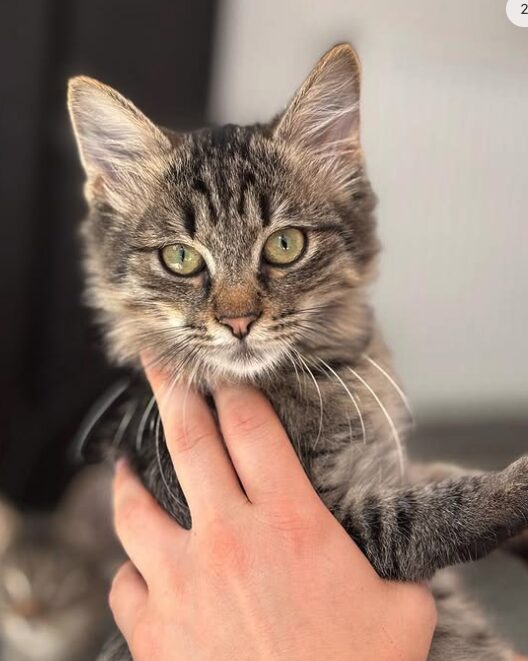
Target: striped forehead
point(227, 182)
point(224, 199)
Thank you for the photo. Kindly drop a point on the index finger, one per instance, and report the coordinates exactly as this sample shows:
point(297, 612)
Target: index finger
point(258, 445)
point(199, 458)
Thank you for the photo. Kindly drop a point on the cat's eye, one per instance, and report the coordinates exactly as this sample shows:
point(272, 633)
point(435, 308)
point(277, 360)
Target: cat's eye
point(284, 246)
point(182, 259)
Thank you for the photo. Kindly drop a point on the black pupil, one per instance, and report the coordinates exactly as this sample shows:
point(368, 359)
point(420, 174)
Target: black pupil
point(181, 253)
point(283, 242)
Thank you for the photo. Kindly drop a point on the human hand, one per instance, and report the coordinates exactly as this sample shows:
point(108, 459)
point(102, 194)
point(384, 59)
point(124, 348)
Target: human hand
point(266, 571)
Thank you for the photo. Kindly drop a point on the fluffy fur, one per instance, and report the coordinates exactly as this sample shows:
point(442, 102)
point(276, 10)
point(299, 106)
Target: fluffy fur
point(315, 349)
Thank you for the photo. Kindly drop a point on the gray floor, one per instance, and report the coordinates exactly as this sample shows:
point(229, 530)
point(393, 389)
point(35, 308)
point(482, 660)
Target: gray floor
point(499, 582)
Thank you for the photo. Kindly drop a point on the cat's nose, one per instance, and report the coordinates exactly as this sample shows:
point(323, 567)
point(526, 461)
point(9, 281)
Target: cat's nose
point(239, 325)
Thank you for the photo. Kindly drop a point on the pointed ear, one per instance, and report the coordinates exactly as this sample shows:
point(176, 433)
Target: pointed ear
point(121, 150)
point(323, 117)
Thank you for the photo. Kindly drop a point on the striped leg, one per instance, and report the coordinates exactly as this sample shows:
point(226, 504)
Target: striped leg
point(410, 532)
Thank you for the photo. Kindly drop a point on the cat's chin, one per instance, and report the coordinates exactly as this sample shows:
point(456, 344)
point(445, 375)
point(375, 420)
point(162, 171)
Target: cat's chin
point(246, 364)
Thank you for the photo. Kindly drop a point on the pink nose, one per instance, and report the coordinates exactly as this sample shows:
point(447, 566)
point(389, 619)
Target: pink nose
point(239, 325)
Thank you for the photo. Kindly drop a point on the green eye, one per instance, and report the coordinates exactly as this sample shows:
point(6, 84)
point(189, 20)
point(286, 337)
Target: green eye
point(284, 246)
point(182, 259)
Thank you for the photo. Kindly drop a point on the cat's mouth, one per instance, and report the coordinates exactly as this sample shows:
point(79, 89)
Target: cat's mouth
point(244, 352)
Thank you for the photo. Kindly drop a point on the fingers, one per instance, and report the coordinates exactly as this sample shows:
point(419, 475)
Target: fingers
point(416, 614)
point(128, 598)
point(138, 518)
point(201, 462)
point(260, 450)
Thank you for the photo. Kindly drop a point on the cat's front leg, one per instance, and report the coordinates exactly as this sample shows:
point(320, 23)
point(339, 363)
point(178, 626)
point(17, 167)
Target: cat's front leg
point(408, 533)
point(440, 471)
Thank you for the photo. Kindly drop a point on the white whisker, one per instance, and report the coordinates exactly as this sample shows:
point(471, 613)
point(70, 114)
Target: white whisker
point(289, 352)
point(319, 395)
point(396, 387)
point(143, 423)
point(297, 378)
point(160, 466)
point(96, 412)
point(187, 392)
point(352, 398)
point(123, 425)
point(395, 433)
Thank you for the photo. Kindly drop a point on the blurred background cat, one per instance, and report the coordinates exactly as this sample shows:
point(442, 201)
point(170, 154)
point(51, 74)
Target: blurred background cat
point(54, 574)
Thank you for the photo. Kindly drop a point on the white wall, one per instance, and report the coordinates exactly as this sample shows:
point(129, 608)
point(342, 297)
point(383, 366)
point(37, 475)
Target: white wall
point(445, 130)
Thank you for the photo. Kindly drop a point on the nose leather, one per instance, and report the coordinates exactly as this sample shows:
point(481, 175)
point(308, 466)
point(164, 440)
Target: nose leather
point(239, 325)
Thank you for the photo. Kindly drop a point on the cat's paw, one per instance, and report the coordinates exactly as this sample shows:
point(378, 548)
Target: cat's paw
point(516, 475)
point(513, 488)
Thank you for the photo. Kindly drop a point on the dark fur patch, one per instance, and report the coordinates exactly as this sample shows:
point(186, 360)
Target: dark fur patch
point(405, 512)
point(350, 524)
point(247, 181)
point(265, 210)
point(373, 517)
point(189, 220)
point(200, 186)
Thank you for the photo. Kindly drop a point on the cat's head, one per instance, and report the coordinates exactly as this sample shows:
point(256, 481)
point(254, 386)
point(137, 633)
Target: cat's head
point(54, 571)
point(234, 250)
point(49, 595)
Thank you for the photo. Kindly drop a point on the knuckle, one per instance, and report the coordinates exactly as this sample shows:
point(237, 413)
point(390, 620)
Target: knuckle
point(428, 607)
point(291, 517)
point(185, 437)
point(113, 599)
point(298, 528)
point(173, 583)
point(127, 514)
point(145, 642)
point(420, 604)
point(245, 422)
point(114, 596)
point(225, 549)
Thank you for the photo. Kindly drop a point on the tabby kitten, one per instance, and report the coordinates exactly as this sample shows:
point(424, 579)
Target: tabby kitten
point(243, 253)
point(54, 575)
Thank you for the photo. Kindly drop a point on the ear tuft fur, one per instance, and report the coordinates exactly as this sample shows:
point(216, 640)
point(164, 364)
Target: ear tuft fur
point(323, 117)
point(121, 150)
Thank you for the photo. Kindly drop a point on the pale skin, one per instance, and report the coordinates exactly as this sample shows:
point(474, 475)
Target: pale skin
point(266, 573)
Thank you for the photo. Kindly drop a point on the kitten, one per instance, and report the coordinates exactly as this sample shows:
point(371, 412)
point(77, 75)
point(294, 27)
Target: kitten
point(244, 253)
point(54, 575)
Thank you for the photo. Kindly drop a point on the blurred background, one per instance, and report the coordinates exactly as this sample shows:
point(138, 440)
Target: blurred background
point(444, 112)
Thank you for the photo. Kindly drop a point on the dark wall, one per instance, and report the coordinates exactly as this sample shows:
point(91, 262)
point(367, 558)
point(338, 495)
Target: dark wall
point(158, 53)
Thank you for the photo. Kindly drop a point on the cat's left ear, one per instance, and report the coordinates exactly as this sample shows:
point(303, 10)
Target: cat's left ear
point(122, 151)
point(323, 117)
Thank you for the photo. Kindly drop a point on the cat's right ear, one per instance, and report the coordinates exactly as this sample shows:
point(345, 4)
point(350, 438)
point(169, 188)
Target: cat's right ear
point(123, 153)
point(323, 117)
